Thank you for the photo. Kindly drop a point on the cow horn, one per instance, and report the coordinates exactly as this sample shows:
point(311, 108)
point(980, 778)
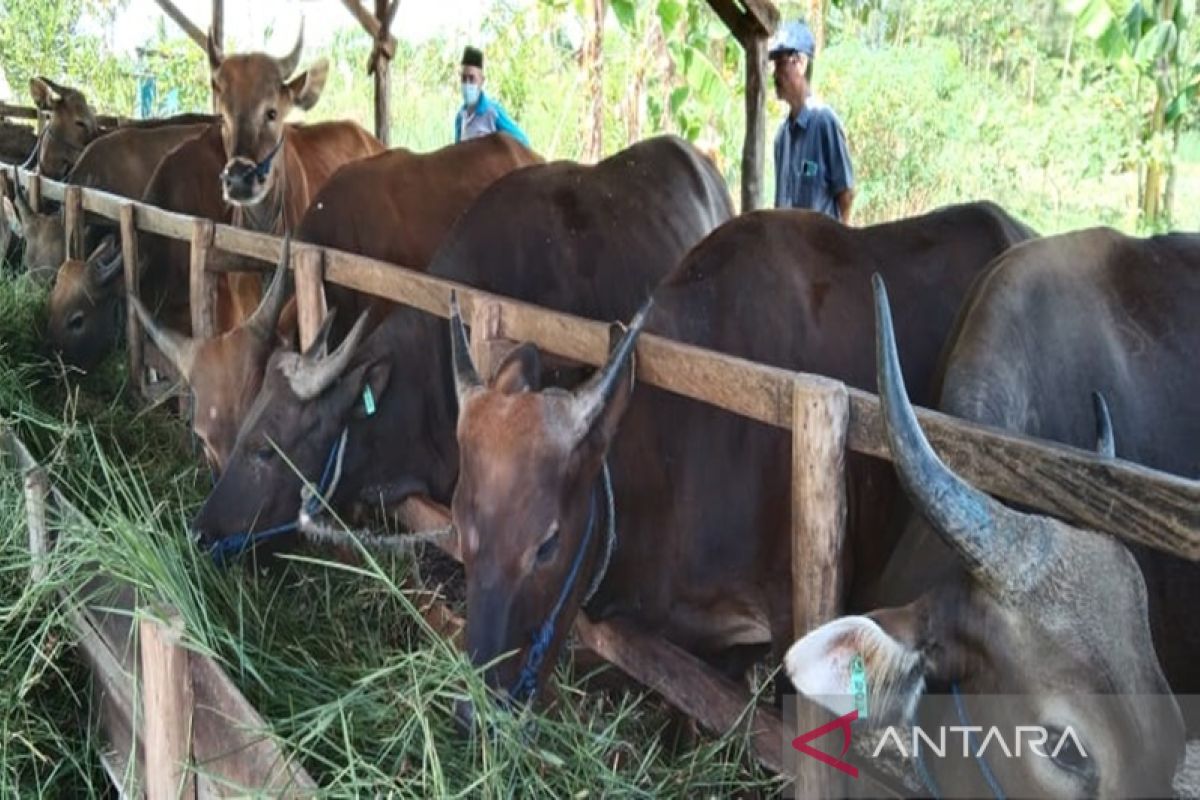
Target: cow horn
point(1000, 553)
point(105, 271)
point(313, 376)
point(24, 211)
point(288, 64)
point(265, 319)
point(215, 56)
point(592, 398)
point(180, 350)
point(1106, 441)
point(466, 377)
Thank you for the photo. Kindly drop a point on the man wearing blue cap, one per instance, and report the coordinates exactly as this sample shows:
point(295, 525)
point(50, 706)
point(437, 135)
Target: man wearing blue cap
point(480, 115)
point(812, 162)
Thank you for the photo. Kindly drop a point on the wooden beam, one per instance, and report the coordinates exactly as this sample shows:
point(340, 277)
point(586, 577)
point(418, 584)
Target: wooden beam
point(167, 707)
point(754, 145)
point(310, 293)
point(193, 32)
point(733, 17)
point(762, 15)
point(133, 326)
point(73, 223)
point(381, 65)
point(371, 26)
point(218, 24)
point(202, 283)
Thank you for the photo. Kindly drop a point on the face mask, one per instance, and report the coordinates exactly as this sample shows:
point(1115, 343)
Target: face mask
point(470, 93)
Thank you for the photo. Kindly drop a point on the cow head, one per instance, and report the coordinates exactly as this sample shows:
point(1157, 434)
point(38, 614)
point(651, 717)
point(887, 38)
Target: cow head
point(226, 371)
point(71, 125)
point(1049, 614)
point(86, 306)
point(45, 242)
point(286, 438)
point(254, 95)
point(528, 507)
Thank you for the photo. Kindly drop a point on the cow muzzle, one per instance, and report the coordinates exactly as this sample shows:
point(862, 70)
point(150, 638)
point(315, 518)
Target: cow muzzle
point(243, 181)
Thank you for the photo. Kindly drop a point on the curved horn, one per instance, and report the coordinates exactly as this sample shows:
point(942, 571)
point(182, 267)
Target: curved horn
point(215, 56)
point(1106, 441)
point(978, 528)
point(288, 64)
point(180, 350)
point(105, 271)
point(466, 377)
point(21, 199)
point(313, 376)
point(263, 321)
point(593, 396)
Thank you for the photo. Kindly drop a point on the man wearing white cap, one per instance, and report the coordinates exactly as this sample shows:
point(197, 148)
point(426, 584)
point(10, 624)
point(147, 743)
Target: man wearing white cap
point(812, 161)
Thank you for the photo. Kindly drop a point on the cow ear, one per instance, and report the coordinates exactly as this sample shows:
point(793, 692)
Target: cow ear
point(14, 219)
point(306, 87)
point(44, 96)
point(520, 371)
point(857, 655)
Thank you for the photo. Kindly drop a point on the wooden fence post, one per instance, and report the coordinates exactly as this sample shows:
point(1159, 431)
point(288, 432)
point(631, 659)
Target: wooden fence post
point(202, 283)
point(37, 489)
point(756, 121)
point(820, 419)
point(35, 191)
point(73, 223)
point(133, 327)
point(167, 708)
point(310, 293)
point(488, 344)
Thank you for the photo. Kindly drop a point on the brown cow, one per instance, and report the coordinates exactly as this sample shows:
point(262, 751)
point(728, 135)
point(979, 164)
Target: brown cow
point(701, 497)
point(396, 207)
point(73, 125)
point(17, 141)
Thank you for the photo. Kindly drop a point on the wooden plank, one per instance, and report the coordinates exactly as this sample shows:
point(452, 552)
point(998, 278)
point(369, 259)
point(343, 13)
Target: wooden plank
point(380, 65)
point(217, 26)
point(762, 15)
point(29, 112)
point(35, 192)
point(133, 326)
point(73, 223)
point(754, 145)
point(734, 18)
point(232, 744)
point(167, 708)
point(193, 32)
point(259, 246)
point(202, 283)
point(371, 25)
point(310, 293)
point(818, 539)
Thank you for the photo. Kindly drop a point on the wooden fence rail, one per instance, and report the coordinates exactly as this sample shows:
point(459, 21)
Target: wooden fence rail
point(824, 417)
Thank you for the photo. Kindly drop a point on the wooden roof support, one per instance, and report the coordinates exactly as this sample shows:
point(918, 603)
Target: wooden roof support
point(371, 25)
point(193, 32)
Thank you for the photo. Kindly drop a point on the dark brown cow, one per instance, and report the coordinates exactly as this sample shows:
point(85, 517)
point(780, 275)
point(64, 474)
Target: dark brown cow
point(1050, 620)
point(701, 497)
point(72, 126)
point(397, 207)
point(16, 142)
point(591, 240)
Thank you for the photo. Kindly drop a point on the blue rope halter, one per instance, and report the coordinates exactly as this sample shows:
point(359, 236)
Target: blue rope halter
point(526, 684)
point(232, 546)
point(990, 777)
point(262, 168)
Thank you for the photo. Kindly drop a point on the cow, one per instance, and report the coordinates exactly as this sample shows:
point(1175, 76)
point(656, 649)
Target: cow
point(40, 233)
point(72, 125)
point(273, 170)
point(16, 142)
point(983, 599)
point(120, 163)
point(588, 240)
point(702, 498)
point(87, 303)
point(396, 207)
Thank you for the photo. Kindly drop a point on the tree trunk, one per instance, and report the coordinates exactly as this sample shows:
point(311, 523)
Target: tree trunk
point(593, 65)
point(1172, 170)
point(1152, 195)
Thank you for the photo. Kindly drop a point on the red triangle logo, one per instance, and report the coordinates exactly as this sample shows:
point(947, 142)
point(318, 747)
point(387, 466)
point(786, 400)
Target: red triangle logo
point(800, 743)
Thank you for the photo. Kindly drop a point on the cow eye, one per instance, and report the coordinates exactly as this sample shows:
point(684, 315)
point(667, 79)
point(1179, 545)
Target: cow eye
point(75, 322)
point(272, 115)
point(549, 545)
point(265, 453)
point(81, 124)
point(1065, 752)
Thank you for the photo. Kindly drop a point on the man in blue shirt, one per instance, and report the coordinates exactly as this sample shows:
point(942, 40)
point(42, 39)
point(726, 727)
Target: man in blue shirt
point(480, 115)
point(812, 162)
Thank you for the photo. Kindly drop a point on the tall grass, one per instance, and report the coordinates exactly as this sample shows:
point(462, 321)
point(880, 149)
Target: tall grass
point(351, 679)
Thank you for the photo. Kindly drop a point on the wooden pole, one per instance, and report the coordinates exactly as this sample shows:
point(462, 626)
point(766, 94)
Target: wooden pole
point(73, 223)
point(218, 24)
point(194, 33)
point(383, 77)
point(756, 122)
point(37, 488)
point(821, 417)
point(35, 191)
point(133, 327)
point(167, 705)
point(310, 293)
point(202, 283)
point(371, 25)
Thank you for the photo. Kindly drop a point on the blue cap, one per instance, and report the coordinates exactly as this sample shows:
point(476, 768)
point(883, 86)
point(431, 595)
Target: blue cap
point(792, 36)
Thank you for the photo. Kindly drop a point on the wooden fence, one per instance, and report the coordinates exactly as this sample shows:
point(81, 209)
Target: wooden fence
point(825, 418)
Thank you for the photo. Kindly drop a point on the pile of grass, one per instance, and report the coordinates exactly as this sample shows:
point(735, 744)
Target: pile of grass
point(349, 676)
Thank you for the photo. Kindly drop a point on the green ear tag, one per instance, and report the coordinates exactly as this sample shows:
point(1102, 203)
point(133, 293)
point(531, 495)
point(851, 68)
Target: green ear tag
point(369, 400)
point(858, 685)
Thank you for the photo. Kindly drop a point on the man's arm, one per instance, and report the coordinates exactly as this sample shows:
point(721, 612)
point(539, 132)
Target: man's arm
point(841, 172)
point(504, 123)
point(844, 202)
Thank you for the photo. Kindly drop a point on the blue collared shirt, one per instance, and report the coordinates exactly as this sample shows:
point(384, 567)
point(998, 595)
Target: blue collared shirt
point(487, 117)
point(812, 161)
